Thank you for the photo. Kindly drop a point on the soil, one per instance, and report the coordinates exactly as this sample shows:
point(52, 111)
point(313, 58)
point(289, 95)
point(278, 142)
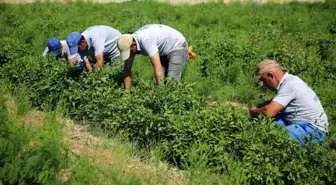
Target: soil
point(33, 119)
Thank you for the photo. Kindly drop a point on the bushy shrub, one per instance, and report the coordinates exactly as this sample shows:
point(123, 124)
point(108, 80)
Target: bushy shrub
point(175, 117)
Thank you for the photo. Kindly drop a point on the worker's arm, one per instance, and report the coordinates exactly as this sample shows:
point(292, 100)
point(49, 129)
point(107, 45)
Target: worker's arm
point(270, 110)
point(99, 61)
point(88, 65)
point(284, 96)
point(128, 73)
point(155, 59)
point(151, 49)
point(98, 45)
point(263, 103)
point(45, 52)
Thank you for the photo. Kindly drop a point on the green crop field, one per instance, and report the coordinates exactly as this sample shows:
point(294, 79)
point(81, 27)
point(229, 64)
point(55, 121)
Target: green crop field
point(176, 119)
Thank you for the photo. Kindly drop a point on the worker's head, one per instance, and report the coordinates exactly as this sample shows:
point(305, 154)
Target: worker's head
point(127, 46)
point(76, 42)
point(55, 46)
point(269, 72)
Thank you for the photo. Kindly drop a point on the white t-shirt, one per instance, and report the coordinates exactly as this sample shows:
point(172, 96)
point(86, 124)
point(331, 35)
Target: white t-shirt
point(65, 51)
point(102, 39)
point(300, 102)
point(154, 38)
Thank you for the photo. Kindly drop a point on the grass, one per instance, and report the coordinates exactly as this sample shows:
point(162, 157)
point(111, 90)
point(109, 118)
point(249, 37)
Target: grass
point(85, 155)
point(74, 155)
point(216, 145)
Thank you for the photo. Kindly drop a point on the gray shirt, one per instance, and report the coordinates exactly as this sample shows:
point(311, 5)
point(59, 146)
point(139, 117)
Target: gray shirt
point(102, 39)
point(300, 102)
point(160, 38)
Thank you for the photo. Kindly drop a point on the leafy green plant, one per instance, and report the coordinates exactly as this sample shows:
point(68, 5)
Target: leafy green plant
point(229, 41)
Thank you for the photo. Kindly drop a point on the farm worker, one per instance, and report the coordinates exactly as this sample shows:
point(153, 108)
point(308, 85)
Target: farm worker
point(57, 47)
point(166, 47)
point(295, 106)
point(99, 42)
point(62, 51)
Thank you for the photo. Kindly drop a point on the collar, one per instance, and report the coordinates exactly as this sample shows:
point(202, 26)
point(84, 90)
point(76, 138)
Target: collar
point(137, 43)
point(65, 48)
point(281, 81)
point(88, 39)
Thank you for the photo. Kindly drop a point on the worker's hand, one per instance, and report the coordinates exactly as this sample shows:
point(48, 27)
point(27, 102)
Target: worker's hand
point(127, 90)
point(99, 61)
point(73, 61)
point(254, 112)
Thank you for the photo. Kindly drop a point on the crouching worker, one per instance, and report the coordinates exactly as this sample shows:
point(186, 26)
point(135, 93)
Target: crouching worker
point(295, 106)
point(96, 42)
point(166, 47)
point(59, 48)
point(61, 51)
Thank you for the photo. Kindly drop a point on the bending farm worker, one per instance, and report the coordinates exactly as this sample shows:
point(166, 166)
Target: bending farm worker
point(57, 47)
point(62, 51)
point(166, 47)
point(99, 42)
point(295, 106)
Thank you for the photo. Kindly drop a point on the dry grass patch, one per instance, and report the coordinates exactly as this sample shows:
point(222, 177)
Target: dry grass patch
point(114, 155)
point(34, 119)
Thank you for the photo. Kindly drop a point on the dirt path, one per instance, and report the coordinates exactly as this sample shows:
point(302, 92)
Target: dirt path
point(109, 153)
point(105, 153)
point(112, 154)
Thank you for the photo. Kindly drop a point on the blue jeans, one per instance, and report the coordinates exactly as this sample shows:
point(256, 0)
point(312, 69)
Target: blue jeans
point(302, 131)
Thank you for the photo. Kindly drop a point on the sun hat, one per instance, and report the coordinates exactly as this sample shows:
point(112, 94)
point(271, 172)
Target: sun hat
point(72, 41)
point(124, 45)
point(54, 44)
point(264, 67)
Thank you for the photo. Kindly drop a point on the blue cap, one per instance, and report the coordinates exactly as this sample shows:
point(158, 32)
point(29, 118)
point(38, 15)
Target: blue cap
point(54, 44)
point(72, 40)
